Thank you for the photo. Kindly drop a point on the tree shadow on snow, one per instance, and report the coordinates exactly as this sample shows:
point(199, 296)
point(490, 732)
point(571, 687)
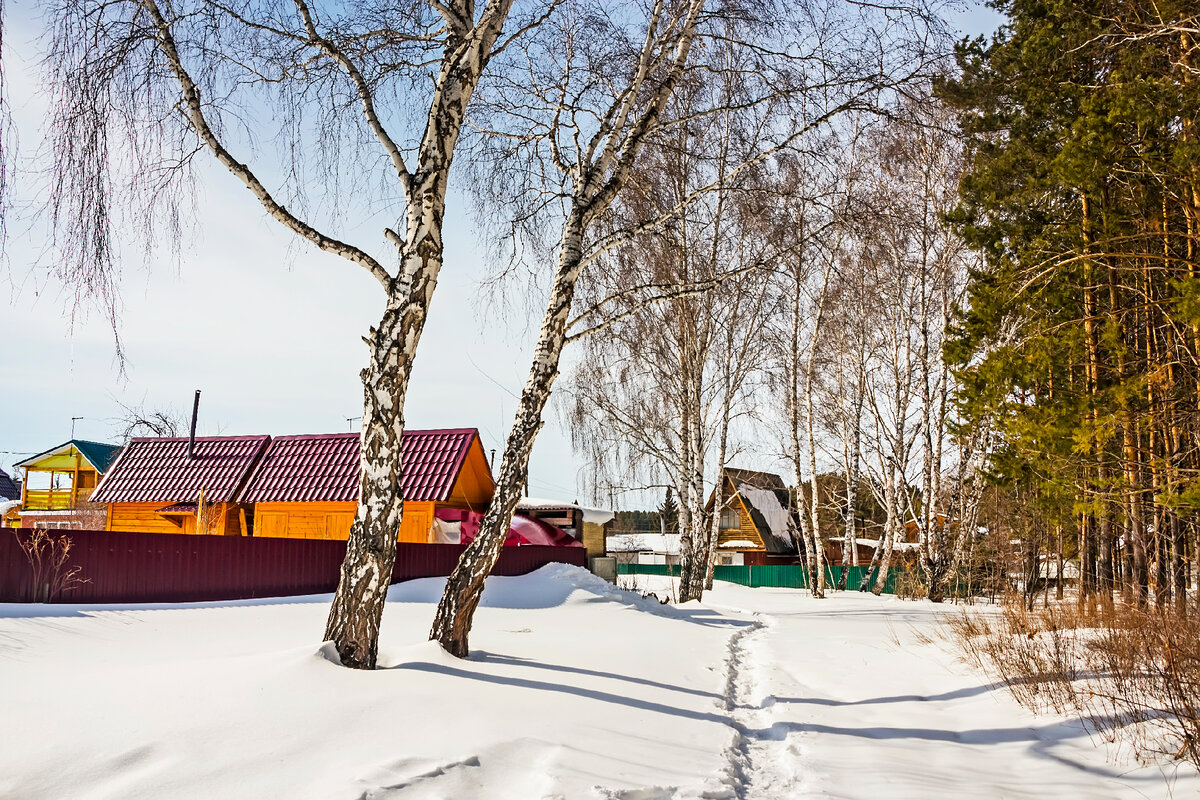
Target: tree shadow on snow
point(1041, 740)
point(484, 657)
point(559, 688)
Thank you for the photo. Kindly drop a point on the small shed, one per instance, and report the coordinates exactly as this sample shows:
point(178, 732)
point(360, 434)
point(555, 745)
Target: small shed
point(306, 487)
point(590, 526)
point(757, 523)
point(154, 486)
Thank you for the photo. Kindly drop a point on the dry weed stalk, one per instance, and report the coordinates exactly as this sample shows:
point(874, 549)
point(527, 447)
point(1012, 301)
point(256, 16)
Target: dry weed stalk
point(48, 557)
point(1131, 676)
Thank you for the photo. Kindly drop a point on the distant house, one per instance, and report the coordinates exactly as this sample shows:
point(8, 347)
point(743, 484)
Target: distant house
point(757, 523)
point(57, 484)
point(306, 487)
point(299, 487)
point(644, 548)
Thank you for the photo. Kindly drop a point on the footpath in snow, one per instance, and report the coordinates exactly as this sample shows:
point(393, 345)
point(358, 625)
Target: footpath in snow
point(842, 698)
point(574, 690)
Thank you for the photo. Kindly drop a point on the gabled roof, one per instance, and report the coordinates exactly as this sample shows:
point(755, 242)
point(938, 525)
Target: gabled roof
point(159, 471)
point(100, 455)
point(324, 467)
point(8, 488)
point(769, 502)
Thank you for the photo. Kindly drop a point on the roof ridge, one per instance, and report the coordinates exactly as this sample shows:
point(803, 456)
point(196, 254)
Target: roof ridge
point(242, 437)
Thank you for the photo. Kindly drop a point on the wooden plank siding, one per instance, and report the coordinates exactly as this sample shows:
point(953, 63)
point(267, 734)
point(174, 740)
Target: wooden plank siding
point(473, 487)
point(144, 518)
point(332, 521)
point(746, 530)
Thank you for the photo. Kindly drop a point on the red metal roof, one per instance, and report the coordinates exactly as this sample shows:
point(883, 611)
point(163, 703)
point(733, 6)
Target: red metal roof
point(159, 471)
point(324, 467)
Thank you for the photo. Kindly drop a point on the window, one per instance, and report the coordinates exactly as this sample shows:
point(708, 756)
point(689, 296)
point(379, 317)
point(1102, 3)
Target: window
point(729, 520)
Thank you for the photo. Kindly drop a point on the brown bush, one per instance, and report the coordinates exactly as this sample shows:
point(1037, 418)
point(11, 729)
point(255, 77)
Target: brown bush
point(49, 557)
point(1130, 675)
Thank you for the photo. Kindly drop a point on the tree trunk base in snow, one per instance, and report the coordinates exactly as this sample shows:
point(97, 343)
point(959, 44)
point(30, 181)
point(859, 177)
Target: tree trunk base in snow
point(354, 617)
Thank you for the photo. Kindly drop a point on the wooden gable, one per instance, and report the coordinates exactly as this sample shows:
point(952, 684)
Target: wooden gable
point(473, 487)
point(746, 531)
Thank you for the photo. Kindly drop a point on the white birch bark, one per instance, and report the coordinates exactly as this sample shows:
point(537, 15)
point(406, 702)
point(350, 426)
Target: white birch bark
point(599, 174)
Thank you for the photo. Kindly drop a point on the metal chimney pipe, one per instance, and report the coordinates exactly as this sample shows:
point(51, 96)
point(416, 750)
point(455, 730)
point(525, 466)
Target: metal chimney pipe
point(192, 434)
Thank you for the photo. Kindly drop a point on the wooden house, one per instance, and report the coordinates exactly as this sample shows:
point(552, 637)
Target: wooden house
point(57, 484)
point(166, 485)
point(306, 487)
point(757, 523)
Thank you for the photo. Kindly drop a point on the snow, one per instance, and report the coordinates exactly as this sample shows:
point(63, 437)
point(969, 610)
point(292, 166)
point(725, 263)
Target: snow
point(575, 689)
point(8, 505)
point(743, 543)
point(901, 546)
point(599, 516)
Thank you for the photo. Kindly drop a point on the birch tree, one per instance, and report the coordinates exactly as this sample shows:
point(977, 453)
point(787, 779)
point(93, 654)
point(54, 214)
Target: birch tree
point(370, 92)
point(594, 136)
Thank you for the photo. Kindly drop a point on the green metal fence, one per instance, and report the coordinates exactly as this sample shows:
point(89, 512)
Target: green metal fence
point(782, 576)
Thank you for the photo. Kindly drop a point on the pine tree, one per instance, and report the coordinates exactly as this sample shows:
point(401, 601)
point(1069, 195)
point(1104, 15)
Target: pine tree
point(668, 513)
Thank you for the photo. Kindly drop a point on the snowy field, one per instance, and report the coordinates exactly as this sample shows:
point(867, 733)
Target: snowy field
point(575, 690)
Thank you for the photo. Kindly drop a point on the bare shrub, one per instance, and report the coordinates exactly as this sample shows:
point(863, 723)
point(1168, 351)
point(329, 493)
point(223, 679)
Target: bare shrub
point(49, 557)
point(90, 516)
point(910, 584)
point(1131, 676)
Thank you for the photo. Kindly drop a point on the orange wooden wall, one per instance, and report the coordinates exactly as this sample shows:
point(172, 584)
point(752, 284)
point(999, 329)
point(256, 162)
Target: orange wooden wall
point(141, 518)
point(332, 520)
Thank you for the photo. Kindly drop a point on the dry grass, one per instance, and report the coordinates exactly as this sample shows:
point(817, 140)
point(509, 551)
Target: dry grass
point(1132, 676)
point(49, 557)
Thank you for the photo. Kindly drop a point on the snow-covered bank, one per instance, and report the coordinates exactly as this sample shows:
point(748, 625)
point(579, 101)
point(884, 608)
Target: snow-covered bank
point(573, 685)
point(576, 690)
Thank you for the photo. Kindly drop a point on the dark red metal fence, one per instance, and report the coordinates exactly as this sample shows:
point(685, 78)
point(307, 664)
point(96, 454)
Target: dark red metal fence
point(178, 568)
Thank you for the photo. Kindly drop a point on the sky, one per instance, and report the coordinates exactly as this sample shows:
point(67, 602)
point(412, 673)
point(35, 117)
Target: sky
point(269, 330)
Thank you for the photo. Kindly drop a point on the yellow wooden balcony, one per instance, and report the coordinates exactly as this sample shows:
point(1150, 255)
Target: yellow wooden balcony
point(52, 499)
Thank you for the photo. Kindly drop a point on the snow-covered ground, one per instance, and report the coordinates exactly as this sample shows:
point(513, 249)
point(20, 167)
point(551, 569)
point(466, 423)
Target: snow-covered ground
point(575, 690)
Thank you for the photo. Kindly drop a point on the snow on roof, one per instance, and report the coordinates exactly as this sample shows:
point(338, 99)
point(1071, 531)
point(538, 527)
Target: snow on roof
point(897, 545)
point(8, 505)
point(637, 542)
point(598, 516)
point(739, 544)
point(766, 502)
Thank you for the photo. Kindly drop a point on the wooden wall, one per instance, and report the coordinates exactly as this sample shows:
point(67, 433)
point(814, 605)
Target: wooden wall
point(746, 530)
point(594, 539)
point(143, 518)
point(329, 521)
point(332, 521)
point(474, 487)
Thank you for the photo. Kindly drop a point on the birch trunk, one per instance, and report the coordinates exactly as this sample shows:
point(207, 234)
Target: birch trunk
point(852, 459)
point(891, 493)
point(455, 612)
point(358, 603)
